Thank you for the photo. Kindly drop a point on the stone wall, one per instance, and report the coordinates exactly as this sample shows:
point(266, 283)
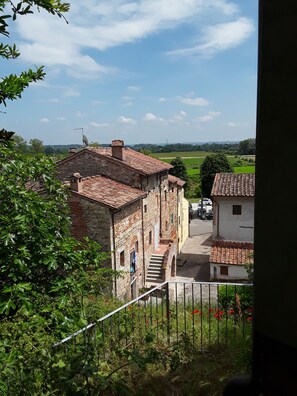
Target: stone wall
point(90, 164)
point(127, 238)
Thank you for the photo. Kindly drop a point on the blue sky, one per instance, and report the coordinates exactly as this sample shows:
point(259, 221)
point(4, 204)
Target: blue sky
point(146, 71)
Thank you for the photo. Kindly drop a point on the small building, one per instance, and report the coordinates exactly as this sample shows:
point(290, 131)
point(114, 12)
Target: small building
point(228, 260)
point(233, 206)
point(128, 203)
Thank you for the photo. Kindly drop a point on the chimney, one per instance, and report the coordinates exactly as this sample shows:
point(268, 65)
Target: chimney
point(76, 183)
point(117, 149)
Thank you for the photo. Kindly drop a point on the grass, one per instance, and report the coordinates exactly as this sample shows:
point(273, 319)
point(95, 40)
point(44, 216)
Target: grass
point(182, 154)
point(138, 360)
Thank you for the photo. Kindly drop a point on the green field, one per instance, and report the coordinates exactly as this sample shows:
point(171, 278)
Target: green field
point(182, 154)
point(193, 161)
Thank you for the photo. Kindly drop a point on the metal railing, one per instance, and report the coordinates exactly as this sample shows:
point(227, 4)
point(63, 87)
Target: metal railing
point(206, 313)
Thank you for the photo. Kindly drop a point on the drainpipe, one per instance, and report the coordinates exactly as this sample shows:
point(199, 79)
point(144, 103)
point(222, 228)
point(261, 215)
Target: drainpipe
point(160, 192)
point(177, 218)
point(217, 217)
point(114, 252)
point(143, 251)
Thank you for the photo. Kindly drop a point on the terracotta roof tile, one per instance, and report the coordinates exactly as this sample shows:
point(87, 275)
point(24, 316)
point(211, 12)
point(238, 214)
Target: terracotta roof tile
point(176, 180)
point(141, 162)
point(234, 185)
point(109, 192)
point(235, 253)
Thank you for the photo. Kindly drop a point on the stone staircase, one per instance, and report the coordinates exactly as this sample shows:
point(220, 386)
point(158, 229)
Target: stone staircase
point(154, 271)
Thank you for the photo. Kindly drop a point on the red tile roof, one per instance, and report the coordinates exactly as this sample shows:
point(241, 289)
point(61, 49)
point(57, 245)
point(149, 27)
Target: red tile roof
point(109, 192)
point(141, 162)
point(176, 180)
point(144, 164)
point(234, 185)
point(235, 253)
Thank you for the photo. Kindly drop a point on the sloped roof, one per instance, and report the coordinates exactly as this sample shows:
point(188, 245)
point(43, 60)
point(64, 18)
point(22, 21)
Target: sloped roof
point(234, 185)
point(144, 164)
point(176, 180)
point(235, 253)
point(109, 192)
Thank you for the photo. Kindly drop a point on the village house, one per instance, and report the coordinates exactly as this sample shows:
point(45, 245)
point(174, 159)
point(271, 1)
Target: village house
point(229, 260)
point(233, 225)
point(127, 202)
point(233, 206)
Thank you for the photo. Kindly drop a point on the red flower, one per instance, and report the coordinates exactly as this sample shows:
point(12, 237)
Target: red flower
point(210, 309)
point(231, 311)
point(221, 312)
point(216, 315)
point(250, 309)
point(250, 318)
point(196, 311)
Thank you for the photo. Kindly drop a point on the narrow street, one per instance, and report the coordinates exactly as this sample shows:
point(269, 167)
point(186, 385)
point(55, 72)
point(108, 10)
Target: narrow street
point(193, 262)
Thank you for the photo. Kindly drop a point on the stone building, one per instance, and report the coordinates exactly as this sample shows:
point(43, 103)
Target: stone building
point(127, 202)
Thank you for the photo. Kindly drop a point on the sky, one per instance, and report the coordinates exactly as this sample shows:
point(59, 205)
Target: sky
point(145, 71)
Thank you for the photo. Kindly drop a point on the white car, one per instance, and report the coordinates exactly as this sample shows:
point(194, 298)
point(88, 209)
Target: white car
point(206, 201)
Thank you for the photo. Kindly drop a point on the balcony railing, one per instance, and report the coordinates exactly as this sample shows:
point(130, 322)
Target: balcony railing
point(206, 313)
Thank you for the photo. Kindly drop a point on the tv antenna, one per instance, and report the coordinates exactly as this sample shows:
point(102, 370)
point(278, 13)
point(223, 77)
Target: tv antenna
point(84, 138)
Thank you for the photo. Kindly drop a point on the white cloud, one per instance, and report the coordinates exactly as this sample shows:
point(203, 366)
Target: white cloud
point(180, 116)
point(134, 88)
point(125, 120)
point(152, 117)
point(101, 25)
point(96, 125)
point(61, 118)
point(220, 37)
point(79, 114)
point(232, 124)
point(71, 92)
point(193, 101)
point(209, 116)
point(162, 99)
point(45, 120)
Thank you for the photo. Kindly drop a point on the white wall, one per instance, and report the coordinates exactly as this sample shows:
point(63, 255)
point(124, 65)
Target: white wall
point(234, 272)
point(233, 227)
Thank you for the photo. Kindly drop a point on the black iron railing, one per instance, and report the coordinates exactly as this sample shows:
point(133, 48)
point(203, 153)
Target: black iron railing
point(206, 313)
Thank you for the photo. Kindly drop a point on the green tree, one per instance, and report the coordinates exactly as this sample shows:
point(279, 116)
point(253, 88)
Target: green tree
point(20, 144)
point(36, 146)
point(179, 169)
point(247, 147)
point(211, 165)
point(38, 257)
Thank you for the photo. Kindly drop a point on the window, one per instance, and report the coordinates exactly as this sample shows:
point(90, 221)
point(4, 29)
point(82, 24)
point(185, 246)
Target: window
point(171, 218)
point(150, 237)
point(166, 226)
point(122, 258)
point(172, 190)
point(236, 209)
point(224, 270)
point(145, 208)
point(136, 247)
point(165, 195)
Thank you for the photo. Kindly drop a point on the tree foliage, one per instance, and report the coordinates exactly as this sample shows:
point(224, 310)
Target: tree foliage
point(212, 164)
point(36, 146)
point(12, 86)
point(247, 147)
point(179, 169)
point(37, 254)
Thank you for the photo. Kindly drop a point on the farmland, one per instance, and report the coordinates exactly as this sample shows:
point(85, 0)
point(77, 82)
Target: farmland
point(194, 159)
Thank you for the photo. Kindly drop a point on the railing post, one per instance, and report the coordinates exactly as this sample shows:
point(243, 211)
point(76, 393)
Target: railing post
point(168, 312)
